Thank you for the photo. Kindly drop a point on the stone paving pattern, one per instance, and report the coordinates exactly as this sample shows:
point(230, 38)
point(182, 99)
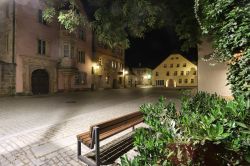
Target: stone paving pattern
point(55, 144)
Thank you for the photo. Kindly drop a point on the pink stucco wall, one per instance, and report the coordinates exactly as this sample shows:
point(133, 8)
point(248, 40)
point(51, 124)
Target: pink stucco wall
point(29, 30)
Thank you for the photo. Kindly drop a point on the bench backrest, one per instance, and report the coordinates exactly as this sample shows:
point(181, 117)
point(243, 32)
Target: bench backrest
point(114, 126)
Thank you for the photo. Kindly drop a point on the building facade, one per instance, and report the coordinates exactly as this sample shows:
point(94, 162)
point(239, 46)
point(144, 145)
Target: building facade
point(47, 57)
point(108, 67)
point(144, 75)
point(217, 82)
point(175, 71)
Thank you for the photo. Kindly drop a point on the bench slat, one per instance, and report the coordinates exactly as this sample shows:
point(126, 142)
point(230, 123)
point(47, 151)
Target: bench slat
point(117, 120)
point(119, 128)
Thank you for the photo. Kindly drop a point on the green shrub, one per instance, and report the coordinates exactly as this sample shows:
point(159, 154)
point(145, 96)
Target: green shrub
point(208, 129)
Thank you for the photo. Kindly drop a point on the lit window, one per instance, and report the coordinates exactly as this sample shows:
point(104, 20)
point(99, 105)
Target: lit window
point(175, 73)
point(41, 47)
point(182, 73)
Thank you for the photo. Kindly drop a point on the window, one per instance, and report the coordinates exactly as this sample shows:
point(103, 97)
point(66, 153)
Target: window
point(82, 34)
point(175, 73)
point(159, 82)
point(167, 74)
point(192, 81)
point(66, 50)
point(172, 58)
point(81, 78)
point(194, 73)
point(187, 73)
point(184, 65)
point(180, 81)
point(81, 57)
point(176, 57)
point(40, 17)
point(72, 51)
point(165, 66)
point(156, 74)
point(41, 47)
point(182, 73)
point(171, 65)
point(186, 81)
point(178, 65)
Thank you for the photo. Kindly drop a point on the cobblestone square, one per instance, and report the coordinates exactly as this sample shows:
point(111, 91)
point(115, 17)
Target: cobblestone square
point(41, 130)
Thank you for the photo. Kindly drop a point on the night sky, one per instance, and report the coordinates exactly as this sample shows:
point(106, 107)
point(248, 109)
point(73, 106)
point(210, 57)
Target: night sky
point(154, 48)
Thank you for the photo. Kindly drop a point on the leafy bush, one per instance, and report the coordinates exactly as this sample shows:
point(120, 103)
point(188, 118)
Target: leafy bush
point(207, 130)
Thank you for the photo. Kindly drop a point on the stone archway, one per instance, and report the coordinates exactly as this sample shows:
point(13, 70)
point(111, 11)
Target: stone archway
point(40, 82)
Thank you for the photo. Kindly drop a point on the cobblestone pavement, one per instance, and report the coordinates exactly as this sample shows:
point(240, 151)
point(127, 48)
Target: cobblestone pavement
point(41, 130)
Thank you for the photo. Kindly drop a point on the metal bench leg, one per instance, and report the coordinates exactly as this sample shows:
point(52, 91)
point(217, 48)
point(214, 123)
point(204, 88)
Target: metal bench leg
point(79, 152)
point(97, 146)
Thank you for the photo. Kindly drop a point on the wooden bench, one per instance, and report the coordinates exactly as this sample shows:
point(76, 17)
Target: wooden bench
point(108, 153)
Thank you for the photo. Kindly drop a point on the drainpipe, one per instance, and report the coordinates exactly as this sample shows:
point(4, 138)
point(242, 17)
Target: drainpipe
point(13, 87)
point(13, 31)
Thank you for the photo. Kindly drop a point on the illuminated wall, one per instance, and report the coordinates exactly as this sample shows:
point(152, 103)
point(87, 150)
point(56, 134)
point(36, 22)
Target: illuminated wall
point(175, 71)
point(211, 75)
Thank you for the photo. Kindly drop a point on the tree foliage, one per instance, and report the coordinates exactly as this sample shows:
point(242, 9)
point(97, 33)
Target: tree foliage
point(115, 21)
point(227, 22)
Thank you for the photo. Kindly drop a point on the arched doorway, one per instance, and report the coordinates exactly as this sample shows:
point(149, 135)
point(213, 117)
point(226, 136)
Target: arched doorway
point(170, 83)
point(40, 82)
